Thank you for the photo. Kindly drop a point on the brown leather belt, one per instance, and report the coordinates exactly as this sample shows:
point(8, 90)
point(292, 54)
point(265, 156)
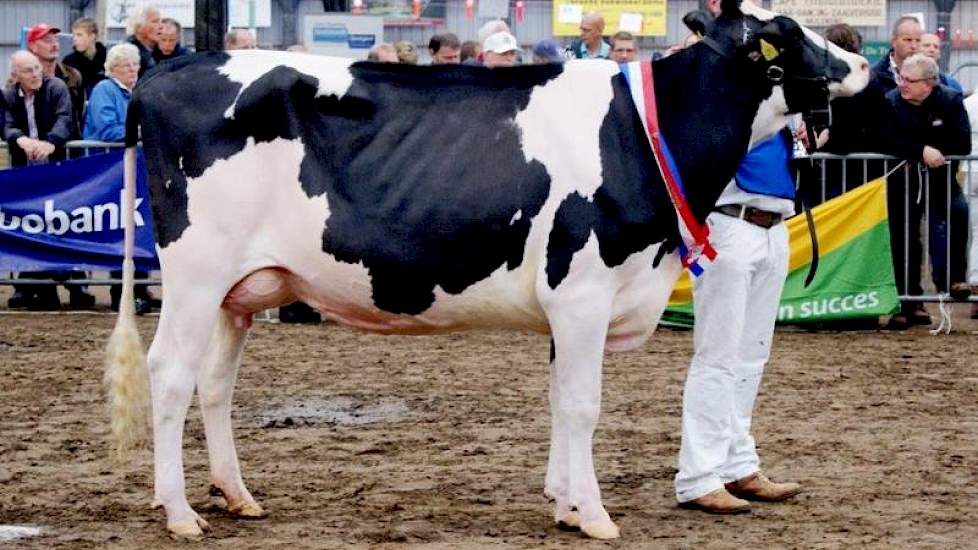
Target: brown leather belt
point(760, 218)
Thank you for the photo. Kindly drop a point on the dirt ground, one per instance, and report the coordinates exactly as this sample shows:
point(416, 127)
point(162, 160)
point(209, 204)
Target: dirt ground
point(357, 440)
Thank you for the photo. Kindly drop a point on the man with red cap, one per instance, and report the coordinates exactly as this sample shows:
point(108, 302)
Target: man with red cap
point(42, 41)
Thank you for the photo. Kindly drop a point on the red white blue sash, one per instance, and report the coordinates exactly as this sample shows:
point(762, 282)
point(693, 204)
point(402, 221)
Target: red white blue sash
point(695, 236)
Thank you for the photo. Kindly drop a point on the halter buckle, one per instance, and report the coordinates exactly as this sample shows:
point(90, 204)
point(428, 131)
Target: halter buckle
point(775, 74)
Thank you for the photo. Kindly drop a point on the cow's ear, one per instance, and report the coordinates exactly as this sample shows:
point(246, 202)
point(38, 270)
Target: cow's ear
point(698, 21)
point(770, 42)
point(730, 8)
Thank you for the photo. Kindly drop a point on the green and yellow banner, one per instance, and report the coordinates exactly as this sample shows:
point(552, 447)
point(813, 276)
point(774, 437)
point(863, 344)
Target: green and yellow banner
point(855, 271)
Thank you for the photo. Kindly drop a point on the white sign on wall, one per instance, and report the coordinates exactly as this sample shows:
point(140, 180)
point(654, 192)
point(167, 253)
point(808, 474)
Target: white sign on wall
point(250, 13)
point(342, 35)
point(821, 13)
point(118, 12)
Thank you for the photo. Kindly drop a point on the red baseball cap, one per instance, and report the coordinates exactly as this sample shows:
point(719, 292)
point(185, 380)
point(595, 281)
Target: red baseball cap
point(40, 31)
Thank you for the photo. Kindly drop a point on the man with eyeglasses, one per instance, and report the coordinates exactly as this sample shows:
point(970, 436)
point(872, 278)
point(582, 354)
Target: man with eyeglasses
point(925, 123)
point(36, 127)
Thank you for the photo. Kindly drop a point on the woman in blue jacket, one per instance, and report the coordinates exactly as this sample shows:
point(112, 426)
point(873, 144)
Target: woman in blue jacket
point(105, 119)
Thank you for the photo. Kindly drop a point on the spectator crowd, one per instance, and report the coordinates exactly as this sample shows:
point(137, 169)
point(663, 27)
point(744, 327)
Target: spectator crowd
point(910, 110)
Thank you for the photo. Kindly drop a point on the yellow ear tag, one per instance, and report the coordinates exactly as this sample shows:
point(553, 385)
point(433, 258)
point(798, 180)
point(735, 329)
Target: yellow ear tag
point(768, 51)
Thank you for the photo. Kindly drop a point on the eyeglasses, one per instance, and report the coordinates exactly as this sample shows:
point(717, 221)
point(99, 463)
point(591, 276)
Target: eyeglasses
point(914, 80)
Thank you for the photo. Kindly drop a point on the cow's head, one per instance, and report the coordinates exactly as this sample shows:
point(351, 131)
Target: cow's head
point(803, 69)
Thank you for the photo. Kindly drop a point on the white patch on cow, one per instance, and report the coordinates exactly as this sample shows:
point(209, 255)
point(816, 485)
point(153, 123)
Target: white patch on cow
point(516, 217)
point(561, 125)
point(13, 532)
point(772, 115)
point(247, 212)
point(858, 76)
point(247, 66)
point(749, 8)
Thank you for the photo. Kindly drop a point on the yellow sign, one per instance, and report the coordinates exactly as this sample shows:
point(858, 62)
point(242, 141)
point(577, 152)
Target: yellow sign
point(820, 13)
point(639, 17)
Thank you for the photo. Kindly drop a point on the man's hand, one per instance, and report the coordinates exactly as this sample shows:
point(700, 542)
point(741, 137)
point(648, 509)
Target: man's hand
point(932, 157)
point(35, 149)
point(44, 150)
point(29, 146)
point(801, 134)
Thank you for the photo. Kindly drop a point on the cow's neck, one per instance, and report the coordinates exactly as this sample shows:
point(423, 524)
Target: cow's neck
point(708, 106)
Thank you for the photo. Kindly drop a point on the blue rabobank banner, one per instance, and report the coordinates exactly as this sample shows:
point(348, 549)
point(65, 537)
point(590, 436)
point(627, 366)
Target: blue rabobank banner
point(68, 215)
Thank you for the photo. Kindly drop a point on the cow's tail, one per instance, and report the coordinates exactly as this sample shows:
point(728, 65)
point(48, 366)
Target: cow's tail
point(126, 374)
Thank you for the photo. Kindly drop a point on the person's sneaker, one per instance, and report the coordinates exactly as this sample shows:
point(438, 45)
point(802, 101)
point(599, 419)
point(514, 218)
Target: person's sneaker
point(919, 316)
point(898, 321)
point(960, 291)
point(298, 312)
point(80, 299)
point(142, 306)
point(44, 303)
point(18, 300)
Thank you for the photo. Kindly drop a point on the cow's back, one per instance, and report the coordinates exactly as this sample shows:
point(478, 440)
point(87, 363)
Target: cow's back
point(434, 180)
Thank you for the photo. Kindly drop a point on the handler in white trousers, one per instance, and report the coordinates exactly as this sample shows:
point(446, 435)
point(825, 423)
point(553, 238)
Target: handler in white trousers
point(736, 305)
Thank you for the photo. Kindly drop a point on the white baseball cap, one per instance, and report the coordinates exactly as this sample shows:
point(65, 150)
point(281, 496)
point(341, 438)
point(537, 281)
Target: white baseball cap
point(500, 42)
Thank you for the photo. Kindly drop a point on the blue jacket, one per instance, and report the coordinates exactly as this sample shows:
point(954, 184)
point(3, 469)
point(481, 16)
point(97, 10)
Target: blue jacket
point(105, 119)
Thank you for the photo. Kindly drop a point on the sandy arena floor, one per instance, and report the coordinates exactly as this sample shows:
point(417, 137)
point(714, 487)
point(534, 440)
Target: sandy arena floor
point(352, 439)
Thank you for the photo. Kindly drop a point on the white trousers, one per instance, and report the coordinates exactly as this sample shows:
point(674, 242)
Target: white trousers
point(736, 305)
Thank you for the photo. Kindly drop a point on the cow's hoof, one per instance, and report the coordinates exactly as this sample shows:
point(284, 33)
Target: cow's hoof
point(188, 528)
point(604, 529)
point(570, 522)
point(248, 510)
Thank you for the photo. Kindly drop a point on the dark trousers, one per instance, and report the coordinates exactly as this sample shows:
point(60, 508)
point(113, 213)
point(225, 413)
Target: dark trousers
point(907, 202)
point(48, 292)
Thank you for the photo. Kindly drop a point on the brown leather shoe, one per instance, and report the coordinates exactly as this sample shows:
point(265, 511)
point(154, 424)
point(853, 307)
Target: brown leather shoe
point(718, 502)
point(758, 487)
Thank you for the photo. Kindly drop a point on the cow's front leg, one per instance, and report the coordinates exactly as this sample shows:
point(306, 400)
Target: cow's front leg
point(215, 385)
point(579, 333)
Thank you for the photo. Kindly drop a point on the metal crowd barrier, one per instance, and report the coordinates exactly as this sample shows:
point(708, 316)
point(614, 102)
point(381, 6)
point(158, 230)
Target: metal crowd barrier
point(823, 176)
point(832, 175)
point(77, 149)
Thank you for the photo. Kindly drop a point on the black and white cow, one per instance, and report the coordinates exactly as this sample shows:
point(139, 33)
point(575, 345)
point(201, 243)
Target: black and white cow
point(407, 199)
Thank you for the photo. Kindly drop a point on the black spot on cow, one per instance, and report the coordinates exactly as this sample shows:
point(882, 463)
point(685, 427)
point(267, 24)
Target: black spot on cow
point(422, 166)
point(433, 188)
point(629, 211)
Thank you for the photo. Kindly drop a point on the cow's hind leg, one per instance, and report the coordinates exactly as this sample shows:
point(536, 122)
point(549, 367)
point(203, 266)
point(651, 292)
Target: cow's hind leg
point(182, 337)
point(215, 386)
point(579, 336)
point(558, 472)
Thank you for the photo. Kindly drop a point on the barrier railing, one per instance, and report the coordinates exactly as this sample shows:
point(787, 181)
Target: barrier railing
point(936, 237)
point(932, 250)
